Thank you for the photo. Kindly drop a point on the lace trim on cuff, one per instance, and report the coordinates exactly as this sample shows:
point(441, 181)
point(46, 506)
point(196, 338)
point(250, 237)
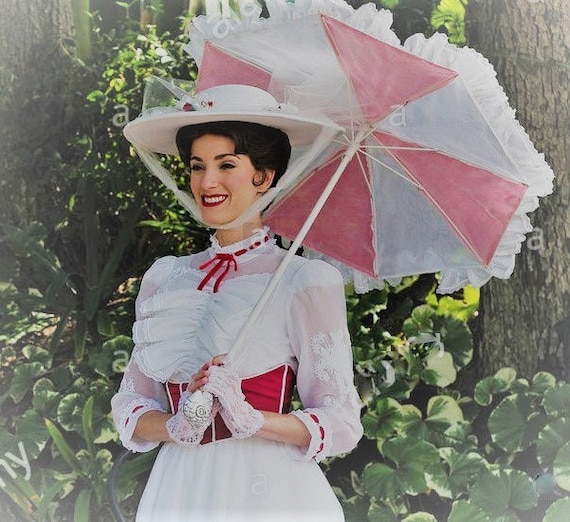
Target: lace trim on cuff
point(321, 442)
point(128, 421)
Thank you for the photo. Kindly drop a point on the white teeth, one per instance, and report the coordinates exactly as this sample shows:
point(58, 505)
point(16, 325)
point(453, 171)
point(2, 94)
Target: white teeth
point(214, 199)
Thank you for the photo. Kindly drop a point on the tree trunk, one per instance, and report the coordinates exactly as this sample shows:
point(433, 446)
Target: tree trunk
point(34, 38)
point(525, 321)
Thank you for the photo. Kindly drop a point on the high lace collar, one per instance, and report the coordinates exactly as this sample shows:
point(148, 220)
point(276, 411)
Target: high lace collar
point(253, 245)
point(224, 259)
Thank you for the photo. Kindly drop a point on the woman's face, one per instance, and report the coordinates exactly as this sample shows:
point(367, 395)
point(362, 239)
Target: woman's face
point(222, 181)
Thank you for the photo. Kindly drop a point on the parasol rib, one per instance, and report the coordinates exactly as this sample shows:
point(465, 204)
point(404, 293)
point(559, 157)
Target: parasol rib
point(352, 149)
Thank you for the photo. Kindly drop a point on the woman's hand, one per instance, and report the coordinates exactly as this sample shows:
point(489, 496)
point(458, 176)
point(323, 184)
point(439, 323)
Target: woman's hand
point(239, 416)
point(184, 432)
point(200, 378)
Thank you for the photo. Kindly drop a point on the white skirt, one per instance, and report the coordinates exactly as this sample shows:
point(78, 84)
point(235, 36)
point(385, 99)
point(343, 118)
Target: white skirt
point(251, 480)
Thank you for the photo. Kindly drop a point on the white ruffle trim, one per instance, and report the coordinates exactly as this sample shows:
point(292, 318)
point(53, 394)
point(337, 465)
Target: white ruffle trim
point(479, 77)
point(213, 27)
point(165, 335)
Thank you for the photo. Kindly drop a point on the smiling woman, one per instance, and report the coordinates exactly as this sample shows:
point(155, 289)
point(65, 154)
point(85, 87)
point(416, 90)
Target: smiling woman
point(225, 184)
point(229, 434)
point(232, 164)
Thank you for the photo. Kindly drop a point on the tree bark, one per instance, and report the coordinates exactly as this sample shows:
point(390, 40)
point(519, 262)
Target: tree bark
point(35, 36)
point(525, 321)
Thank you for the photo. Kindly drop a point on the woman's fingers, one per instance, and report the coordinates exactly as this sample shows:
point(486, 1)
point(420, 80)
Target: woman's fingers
point(197, 384)
point(218, 360)
point(201, 376)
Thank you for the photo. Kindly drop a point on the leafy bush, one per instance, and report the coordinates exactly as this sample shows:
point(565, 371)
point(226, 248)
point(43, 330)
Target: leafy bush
point(502, 454)
point(71, 268)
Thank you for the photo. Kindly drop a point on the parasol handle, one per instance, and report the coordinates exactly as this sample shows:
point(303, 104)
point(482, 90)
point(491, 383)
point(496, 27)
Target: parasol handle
point(352, 149)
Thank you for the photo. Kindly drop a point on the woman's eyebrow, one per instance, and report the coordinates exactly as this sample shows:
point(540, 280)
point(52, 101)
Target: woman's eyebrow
point(218, 157)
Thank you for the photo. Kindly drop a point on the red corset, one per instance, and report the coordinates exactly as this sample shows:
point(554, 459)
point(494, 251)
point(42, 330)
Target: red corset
point(270, 391)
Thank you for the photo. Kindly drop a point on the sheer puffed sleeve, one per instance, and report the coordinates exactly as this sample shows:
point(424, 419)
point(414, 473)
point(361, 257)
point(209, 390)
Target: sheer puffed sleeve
point(139, 393)
point(318, 331)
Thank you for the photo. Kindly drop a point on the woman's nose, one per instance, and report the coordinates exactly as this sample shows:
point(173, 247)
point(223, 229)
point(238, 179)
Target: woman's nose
point(210, 177)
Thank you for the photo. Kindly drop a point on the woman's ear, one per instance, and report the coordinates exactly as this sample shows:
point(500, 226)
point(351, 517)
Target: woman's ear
point(263, 179)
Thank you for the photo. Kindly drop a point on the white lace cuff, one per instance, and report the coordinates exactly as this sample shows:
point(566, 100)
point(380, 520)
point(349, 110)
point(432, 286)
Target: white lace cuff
point(241, 418)
point(128, 421)
point(321, 442)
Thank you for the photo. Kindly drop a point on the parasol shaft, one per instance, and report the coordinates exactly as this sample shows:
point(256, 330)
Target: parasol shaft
point(353, 147)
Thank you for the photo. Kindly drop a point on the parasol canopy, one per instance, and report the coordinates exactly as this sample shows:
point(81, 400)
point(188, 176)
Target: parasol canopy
point(432, 172)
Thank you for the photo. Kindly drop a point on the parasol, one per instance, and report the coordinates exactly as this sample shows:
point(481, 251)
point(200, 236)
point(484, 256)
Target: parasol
point(432, 172)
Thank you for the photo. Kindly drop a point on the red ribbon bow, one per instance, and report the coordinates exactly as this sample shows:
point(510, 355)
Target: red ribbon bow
point(224, 263)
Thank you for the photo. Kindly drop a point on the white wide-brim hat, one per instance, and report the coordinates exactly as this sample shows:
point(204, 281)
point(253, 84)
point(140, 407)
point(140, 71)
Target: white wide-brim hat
point(156, 128)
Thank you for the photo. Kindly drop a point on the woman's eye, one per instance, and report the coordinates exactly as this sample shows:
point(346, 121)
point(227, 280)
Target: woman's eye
point(226, 166)
point(196, 167)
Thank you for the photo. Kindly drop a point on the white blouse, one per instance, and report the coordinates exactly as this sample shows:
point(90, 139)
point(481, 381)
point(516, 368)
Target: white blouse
point(178, 328)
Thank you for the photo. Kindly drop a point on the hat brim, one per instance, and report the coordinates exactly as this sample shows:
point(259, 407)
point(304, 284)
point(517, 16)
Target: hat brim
point(156, 131)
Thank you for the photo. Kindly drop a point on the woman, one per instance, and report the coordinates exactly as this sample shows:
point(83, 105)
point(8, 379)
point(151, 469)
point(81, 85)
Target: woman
point(253, 458)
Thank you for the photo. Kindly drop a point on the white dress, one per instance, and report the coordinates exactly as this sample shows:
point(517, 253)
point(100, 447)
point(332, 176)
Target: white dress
point(301, 335)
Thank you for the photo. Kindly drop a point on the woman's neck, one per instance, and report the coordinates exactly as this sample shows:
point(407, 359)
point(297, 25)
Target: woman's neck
point(229, 236)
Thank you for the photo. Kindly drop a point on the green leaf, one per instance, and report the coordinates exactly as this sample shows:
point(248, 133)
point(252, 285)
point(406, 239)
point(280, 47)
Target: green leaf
point(95, 95)
point(384, 419)
point(130, 471)
point(32, 433)
point(63, 447)
point(457, 340)
point(382, 482)
point(412, 424)
point(467, 511)
point(552, 437)
point(36, 354)
point(443, 412)
point(390, 4)
point(437, 480)
point(556, 401)
point(463, 469)
point(377, 513)
point(82, 506)
point(542, 382)
point(451, 15)
point(558, 512)
point(486, 388)
point(515, 423)
point(45, 398)
point(421, 320)
point(500, 493)
point(439, 369)
point(47, 498)
point(22, 493)
point(23, 380)
point(80, 334)
point(87, 425)
point(562, 467)
point(507, 375)
point(462, 309)
point(411, 458)
point(70, 411)
point(103, 461)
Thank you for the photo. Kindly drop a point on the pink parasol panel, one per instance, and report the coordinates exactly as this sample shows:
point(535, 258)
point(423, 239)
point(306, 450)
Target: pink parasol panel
point(343, 228)
point(383, 77)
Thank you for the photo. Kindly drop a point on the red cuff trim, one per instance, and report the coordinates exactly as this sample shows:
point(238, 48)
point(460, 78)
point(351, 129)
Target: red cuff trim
point(134, 411)
point(321, 432)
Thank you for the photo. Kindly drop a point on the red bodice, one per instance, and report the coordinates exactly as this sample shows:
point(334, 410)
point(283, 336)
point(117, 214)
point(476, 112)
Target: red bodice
point(269, 391)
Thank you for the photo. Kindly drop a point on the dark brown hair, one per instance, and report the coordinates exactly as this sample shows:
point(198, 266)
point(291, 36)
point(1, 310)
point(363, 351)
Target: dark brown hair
point(267, 147)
